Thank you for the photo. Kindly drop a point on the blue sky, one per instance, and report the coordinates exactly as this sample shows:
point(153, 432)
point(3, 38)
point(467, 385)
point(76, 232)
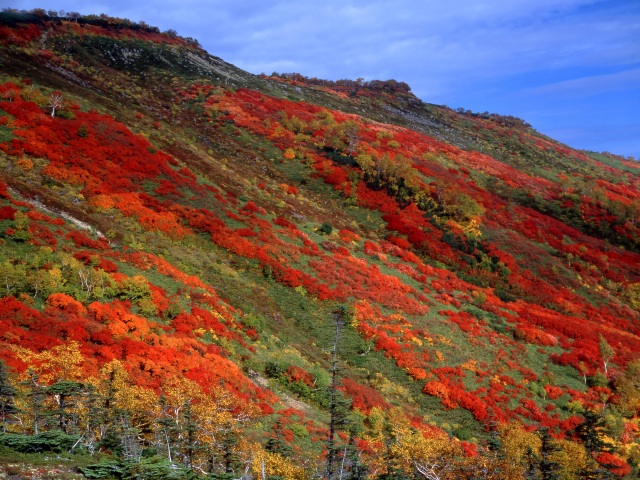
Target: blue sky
point(571, 68)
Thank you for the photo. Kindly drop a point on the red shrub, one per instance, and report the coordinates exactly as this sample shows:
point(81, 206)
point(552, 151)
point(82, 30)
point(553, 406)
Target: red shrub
point(7, 213)
point(82, 240)
point(3, 191)
point(614, 464)
point(297, 374)
point(364, 398)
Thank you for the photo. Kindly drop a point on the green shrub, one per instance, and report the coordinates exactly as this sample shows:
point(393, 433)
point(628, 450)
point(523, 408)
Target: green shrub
point(273, 369)
point(325, 228)
point(51, 441)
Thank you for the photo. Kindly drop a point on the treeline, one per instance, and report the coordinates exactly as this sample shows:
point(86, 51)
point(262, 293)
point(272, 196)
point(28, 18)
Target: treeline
point(185, 432)
point(388, 86)
point(12, 17)
point(503, 120)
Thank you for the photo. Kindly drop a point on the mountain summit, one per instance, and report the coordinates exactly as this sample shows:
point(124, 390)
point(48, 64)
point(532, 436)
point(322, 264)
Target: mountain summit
point(208, 273)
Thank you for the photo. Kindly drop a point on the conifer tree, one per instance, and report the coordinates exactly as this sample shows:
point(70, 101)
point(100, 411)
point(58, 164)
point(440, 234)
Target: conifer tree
point(352, 465)
point(591, 433)
point(338, 405)
point(190, 441)
point(65, 393)
point(36, 397)
point(549, 468)
point(230, 456)
point(168, 427)
point(277, 442)
point(7, 397)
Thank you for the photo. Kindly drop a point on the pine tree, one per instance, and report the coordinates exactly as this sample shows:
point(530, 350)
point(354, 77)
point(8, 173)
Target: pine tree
point(591, 432)
point(531, 465)
point(352, 461)
point(549, 468)
point(168, 427)
point(277, 442)
point(36, 398)
point(190, 441)
point(93, 419)
point(65, 393)
point(339, 406)
point(230, 457)
point(130, 445)
point(7, 396)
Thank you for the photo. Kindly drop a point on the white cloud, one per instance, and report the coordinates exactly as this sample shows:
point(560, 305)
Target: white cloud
point(592, 84)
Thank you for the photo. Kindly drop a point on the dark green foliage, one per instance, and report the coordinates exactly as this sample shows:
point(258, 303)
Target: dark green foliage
point(277, 442)
point(503, 293)
point(274, 369)
point(255, 321)
point(223, 476)
point(230, 458)
point(325, 229)
point(598, 379)
point(7, 396)
point(190, 445)
point(591, 432)
point(462, 433)
point(105, 469)
point(351, 465)
point(82, 131)
point(168, 428)
point(6, 134)
point(594, 471)
point(155, 468)
point(14, 18)
point(549, 469)
point(50, 441)
point(36, 396)
point(66, 393)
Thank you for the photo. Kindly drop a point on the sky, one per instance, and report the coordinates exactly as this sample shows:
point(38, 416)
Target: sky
point(570, 68)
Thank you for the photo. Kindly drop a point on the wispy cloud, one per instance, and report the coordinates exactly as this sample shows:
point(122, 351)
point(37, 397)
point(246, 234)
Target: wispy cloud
point(591, 85)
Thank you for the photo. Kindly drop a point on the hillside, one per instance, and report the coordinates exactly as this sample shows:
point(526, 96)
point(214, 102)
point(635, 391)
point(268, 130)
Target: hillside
point(208, 273)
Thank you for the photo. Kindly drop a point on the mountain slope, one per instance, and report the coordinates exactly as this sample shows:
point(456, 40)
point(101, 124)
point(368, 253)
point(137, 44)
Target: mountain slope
point(237, 266)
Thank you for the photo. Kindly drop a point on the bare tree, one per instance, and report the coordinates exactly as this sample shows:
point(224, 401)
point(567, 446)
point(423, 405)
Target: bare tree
point(56, 101)
point(607, 353)
point(430, 471)
point(73, 16)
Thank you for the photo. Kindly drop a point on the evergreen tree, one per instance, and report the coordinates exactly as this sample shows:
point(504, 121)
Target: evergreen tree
point(339, 406)
point(591, 432)
point(36, 396)
point(494, 444)
point(130, 445)
point(190, 442)
point(531, 463)
point(277, 442)
point(66, 394)
point(168, 427)
point(549, 468)
point(7, 396)
point(93, 421)
point(352, 460)
point(230, 457)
